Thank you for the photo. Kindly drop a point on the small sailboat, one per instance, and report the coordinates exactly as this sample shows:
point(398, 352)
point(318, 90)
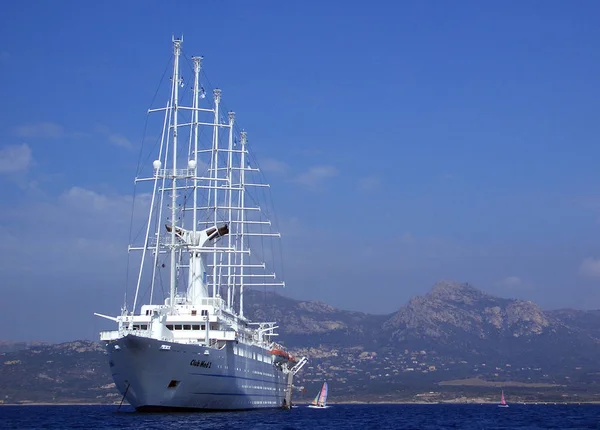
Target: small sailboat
point(320, 401)
point(503, 403)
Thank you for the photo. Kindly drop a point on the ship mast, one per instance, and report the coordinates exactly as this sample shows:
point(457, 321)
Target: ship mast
point(229, 204)
point(175, 106)
point(228, 180)
point(197, 67)
point(215, 171)
point(242, 217)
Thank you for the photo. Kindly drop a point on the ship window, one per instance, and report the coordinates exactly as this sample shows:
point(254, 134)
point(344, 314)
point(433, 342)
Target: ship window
point(170, 326)
point(136, 327)
point(173, 384)
point(194, 313)
point(196, 327)
point(144, 326)
point(177, 326)
point(187, 327)
point(203, 327)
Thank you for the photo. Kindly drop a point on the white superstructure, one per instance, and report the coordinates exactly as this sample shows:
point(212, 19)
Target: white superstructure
point(194, 348)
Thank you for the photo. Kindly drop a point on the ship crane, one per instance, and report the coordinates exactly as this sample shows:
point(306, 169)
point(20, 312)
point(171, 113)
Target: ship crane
point(290, 382)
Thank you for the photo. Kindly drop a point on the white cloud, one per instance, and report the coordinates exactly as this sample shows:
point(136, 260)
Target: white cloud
point(83, 230)
point(114, 138)
point(369, 183)
point(316, 175)
point(15, 158)
point(52, 130)
point(121, 141)
point(84, 200)
point(273, 166)
point(590, 268)
point(42, 130)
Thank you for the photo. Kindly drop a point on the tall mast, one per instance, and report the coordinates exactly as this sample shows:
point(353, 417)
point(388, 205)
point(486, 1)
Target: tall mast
point(175, 106)
point(197, 66)
point(215, 167)
point(242, 220)
point(229, 203)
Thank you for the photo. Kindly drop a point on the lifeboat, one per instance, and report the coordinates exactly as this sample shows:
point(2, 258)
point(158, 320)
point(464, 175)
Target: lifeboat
point(281, 355)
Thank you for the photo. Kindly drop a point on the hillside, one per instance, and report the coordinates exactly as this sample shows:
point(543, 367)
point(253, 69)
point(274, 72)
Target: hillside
point(456, 342)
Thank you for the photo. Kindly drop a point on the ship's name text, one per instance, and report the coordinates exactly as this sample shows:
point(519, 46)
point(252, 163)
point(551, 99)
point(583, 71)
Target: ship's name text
point(202, 363)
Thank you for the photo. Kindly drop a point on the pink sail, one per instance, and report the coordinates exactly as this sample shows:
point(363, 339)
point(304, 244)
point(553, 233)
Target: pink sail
point(321, 398)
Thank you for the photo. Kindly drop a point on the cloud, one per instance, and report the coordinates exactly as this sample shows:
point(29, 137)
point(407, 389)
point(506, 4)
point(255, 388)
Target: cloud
point(316, 175)
point(15, 158)
point(119, 140)
point(368, 183)
point(42, 130)
point(82, 199)
point(83, 231)
point(590, 268)
point(52, 130)
point(115, 138)
point(64, 251)
point(274, 166)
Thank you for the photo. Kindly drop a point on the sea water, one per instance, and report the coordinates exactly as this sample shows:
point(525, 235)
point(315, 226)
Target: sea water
point(364, 417)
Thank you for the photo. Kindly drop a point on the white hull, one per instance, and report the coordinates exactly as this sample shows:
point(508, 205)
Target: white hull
point(184, 377)
point(318, 407)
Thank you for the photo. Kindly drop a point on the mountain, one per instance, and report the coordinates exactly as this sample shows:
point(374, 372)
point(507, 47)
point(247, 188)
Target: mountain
point(453, 318)
point(72, 372)
point(445, 338)
point(304, 323)
point(455, 342)
point(459, 319)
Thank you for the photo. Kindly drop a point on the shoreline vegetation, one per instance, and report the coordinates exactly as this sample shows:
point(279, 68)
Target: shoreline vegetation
point(483, 402)
point(478, 382)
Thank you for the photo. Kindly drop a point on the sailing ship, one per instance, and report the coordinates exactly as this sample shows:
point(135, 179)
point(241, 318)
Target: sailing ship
point(320, 401)
point(503, 403)
point(194, 348)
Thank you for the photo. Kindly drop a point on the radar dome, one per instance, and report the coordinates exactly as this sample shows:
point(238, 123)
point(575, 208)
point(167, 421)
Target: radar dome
point(156, 164)
point(192, 164)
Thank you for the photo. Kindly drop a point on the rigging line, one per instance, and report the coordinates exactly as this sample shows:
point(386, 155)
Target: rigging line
point(129, 253)
point(156, 143)
point(134, 194)
point(160, 280)
point(276, 219)
point(253, 198)
point(124, 394)
point(237, 127)
point(150, 106)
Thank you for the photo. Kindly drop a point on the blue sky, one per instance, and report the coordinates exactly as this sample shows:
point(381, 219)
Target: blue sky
point(421, 140)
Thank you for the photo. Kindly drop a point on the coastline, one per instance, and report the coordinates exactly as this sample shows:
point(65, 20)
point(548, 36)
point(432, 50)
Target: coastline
point(449, 402)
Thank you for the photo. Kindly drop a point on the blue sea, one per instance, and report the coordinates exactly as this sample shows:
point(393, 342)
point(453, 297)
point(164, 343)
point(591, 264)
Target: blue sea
point(364, 417)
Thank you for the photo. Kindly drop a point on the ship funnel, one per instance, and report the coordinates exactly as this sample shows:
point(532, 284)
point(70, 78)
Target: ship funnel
point(215, 232)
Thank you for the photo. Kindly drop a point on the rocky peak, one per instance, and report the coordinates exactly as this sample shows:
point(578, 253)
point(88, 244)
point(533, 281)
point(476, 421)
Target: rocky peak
point(451, 308)
point(456, 292)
